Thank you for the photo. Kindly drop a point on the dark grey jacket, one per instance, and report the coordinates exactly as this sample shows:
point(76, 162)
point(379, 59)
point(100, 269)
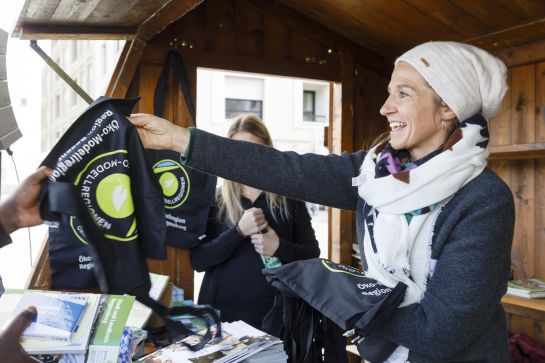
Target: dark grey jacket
point(460, 317)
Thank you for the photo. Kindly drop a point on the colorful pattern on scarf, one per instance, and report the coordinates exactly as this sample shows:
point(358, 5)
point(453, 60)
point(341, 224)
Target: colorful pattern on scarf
point(402, 200)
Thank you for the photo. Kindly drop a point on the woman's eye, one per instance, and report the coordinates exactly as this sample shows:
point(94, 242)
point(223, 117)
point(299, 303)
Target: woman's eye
point(403, 94)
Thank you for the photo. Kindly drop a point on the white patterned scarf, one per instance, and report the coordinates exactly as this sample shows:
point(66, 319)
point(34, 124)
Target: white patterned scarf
point(397, 250)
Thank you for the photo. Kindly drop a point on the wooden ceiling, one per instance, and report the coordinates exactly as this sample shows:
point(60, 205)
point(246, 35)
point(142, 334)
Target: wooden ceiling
point(387, 27)
point(98, 19)
point(390, 27)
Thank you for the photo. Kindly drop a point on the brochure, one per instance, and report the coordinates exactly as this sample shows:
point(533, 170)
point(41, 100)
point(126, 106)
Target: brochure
point(58, 314)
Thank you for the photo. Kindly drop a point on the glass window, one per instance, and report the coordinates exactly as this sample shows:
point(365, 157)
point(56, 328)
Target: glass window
point(235, 107)
point(309, 106)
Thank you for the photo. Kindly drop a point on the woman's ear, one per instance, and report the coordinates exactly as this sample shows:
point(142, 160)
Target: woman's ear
point(447, 114)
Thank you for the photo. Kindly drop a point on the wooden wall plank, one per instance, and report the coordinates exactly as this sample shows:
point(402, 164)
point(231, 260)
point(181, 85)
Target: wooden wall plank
point(522, 54)
point(249, 29)
point(341, 126)
point(451, 16)
point(522, 173)
point(165, 16)
point(68, 10)
point(539, 108)
point(125, 69)
point(177, 265)
point(522, 104)
point(489, 12)
point(275, 39)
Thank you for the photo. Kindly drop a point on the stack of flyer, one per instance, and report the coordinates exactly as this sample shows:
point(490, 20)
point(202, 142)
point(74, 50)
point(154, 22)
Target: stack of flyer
point(532, 288)
point(80, 327)
point(239, 342)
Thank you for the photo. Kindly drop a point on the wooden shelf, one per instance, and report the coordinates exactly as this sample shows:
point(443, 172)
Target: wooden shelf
point(517, 151)
point(529, 308)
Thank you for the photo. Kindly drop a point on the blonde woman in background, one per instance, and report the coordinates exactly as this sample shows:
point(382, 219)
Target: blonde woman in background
point(246, 228)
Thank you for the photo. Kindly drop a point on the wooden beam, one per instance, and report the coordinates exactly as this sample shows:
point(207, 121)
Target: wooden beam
point(320, 33)
point(503, 29)
point(166, 15)
point(522, 54)
point(530, 308)
point(342, 126)
point(36, 32)
point(517, 151)
point(327, 72)
point(126, 68)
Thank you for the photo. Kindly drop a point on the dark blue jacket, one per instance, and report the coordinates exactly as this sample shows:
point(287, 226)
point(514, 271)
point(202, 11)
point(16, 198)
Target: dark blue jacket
point(460, 317)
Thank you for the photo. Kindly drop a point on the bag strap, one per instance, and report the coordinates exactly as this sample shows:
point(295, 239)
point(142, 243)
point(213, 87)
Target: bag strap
point(161, 88)
point(173, 327)
point(177, 329)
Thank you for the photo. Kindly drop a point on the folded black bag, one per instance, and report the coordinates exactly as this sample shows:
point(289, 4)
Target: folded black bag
point(188, 193)
point(71, 264)
point(341, 293)
point(101, 176)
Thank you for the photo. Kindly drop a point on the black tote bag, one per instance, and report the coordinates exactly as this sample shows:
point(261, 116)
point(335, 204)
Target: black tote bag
point(71, 264)
point(342, 294)
point(102, 177)
point(188, 193)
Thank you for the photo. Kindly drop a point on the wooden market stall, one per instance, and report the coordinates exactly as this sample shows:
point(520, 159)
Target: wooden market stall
point(351, 43)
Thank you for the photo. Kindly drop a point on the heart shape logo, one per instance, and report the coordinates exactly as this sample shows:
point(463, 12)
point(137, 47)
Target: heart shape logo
point(119, 195)
point(168, 183)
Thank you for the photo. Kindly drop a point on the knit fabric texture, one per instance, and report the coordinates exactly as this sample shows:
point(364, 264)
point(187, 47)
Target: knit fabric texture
point(460, 317)
point(469, 79)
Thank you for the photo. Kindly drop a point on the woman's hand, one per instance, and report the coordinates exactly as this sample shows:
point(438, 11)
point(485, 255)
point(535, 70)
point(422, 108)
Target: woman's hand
point(21, 208)
point(10, 349)
point(160, 134)
point(252, 221)
point(266, 243)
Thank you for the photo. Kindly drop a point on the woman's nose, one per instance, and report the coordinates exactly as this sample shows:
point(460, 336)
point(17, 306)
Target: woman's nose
point(387, 107)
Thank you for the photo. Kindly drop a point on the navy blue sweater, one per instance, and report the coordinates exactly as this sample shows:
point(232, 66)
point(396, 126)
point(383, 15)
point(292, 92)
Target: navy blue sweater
point(460, 317)
point(233, 282)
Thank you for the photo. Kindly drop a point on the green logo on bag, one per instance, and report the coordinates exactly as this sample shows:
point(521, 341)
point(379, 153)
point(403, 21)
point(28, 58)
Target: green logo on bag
point(105, 188)
point(169, 183)
point(174, 181)
point(114, 195)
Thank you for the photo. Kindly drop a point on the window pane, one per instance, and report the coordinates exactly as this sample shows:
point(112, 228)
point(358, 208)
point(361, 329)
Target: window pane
point(235, 107)
point(309, 106)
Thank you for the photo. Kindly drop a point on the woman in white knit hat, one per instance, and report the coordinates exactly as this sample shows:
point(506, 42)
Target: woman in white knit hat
point(430, 213)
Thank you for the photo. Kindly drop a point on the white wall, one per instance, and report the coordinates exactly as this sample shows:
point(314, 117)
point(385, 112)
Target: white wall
point(282, 106)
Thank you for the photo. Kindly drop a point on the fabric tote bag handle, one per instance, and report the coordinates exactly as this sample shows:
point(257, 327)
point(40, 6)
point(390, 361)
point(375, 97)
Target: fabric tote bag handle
point(161, 89)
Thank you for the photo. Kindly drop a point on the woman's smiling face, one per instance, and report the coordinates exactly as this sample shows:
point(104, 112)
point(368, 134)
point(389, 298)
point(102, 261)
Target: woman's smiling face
point(413, 111)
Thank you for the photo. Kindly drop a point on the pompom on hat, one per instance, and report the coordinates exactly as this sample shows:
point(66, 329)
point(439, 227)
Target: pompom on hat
point(469, 79)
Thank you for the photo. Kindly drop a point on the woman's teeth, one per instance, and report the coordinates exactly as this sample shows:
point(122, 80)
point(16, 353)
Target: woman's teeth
point(397, 125)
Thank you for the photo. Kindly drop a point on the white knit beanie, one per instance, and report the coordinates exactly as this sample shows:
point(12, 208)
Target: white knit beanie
point(469, 79)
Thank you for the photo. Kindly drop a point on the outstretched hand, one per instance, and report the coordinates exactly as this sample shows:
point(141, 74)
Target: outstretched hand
point(10, 348)
point(21, 208)
point(160, 134)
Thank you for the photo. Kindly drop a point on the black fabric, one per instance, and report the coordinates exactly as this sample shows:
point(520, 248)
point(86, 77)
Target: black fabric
point(71, 264)
point(340, 293)
point(187, 193)
point(309, 336)
point(233, 282)
point(118, 202)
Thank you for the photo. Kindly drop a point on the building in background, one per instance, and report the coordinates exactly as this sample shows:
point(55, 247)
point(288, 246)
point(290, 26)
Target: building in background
point(90, 63)
point(294, 110)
